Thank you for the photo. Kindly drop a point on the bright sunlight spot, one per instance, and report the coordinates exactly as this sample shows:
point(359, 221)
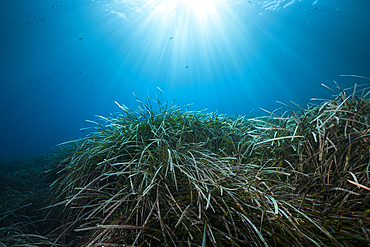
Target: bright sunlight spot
point(202, 7)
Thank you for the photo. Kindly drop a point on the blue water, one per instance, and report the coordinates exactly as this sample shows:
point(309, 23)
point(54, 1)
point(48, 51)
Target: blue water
point(63, 62)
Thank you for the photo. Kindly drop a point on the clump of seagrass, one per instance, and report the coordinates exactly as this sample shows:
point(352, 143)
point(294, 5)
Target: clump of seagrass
point(327, 149)
point(167, 176)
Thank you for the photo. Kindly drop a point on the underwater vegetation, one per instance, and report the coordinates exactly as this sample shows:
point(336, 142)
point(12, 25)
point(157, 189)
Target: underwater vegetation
point(167, 176)
point(24, 188)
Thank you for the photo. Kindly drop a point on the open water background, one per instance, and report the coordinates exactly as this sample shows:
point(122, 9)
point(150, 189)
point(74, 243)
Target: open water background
point(63, 62)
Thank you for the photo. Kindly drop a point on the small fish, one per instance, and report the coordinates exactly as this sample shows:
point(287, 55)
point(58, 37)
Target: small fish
point(80, 38)
point(171, 38)
point(186, 67)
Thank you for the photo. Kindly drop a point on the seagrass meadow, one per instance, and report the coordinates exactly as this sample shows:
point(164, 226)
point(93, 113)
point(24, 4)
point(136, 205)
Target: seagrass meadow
point(163, 175)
